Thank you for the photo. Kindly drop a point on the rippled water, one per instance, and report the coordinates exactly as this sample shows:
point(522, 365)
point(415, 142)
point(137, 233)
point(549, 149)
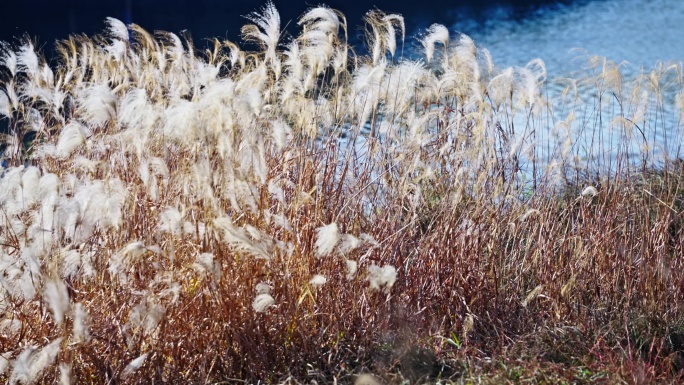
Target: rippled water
point(640, 32)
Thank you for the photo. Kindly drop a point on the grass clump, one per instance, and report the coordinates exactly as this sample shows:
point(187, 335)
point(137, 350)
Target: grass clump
point(287, 214)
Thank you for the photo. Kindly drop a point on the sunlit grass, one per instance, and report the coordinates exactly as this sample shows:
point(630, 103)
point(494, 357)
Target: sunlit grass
point(303, 212)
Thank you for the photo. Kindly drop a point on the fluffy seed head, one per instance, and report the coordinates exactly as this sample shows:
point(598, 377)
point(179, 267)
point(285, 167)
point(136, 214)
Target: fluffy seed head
point(327, 238)
point(262, 302)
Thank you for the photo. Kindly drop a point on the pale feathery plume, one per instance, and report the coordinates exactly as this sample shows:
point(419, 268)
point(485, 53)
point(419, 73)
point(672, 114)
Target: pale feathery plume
point(57, 297)
point(262, 288)
point(327, 238)
point(4, 362)
point(64, 374)
point(136, 111)
point(321, 18)
point(437, 33)
point(367, 238)
point(76, 263)
point(589, 191)
point(679, 104)
point(10, 328)
point(31, 363)
point(293, 62)
point(30, 181)
point(171, 221)
point(97, 104)
point(134, 365)
point(71, 137)
point(27, 60)
point(390, 36)
point(5, 105)
point(347, 243)
point(282, 133)
point(182, 121)
point(117, 50)
point(237, 238)
point(81, 325)
point(486, 57)
point(204, 263)
point(237, 57)
point(117, 29)
point(278, 220)
point(8, 58)
point(262, 302)
point(265, 31)
point(381, 277)
point(501, 87)
point(352, 267)
point(400, 84)
point(318, 280)
point(123, 259)
point(145, 317)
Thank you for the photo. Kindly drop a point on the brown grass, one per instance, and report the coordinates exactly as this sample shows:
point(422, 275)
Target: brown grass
point(507, 269)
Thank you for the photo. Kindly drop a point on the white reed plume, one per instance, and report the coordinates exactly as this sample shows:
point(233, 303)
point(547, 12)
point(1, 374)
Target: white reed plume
point(530, 80)
point(381, 277)
point(400, 84)
point(134, 365)
point(318, 280)
point(5, 105)
point(204, 263)
point(182, 122)
point(8, 58)
point(265, 31)
point(9, 328)
point(262, 302)
point(327, 238)
point(80, 329)
point(116, 29)
point(28, 367)
point(319, 38)
point(145, 317)
point(501, 87)
point(237, 238)
point(64, 374)
point(4, 362)
point(282, 133)
point(27, 60)
point(347, 244)
point(391, 21)
point(352, 267)
point(97, 105)
point(589, 192)
point(262, 288)
point(57, 298)
point(171, 221)
point(136, 111)
point(71, 137)
point(437, 33)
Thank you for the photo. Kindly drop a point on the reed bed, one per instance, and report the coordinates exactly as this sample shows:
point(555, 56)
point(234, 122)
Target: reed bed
point(291, 210)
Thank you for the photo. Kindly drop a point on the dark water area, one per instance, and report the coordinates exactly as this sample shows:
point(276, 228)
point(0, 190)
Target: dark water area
point(47, 21)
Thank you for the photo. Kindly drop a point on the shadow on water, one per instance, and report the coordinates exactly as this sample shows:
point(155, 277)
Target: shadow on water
point(48, 21)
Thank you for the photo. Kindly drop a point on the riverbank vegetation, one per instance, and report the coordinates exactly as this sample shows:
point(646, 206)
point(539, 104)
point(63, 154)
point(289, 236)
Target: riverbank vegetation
point(291, 210)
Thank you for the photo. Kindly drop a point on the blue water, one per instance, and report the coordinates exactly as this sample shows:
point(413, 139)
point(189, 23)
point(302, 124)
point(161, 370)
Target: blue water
point(639, 32)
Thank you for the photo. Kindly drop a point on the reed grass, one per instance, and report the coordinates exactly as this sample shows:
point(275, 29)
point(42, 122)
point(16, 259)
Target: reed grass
point(297, 211)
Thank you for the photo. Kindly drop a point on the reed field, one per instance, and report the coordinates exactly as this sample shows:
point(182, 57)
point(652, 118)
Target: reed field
point(291, 209)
